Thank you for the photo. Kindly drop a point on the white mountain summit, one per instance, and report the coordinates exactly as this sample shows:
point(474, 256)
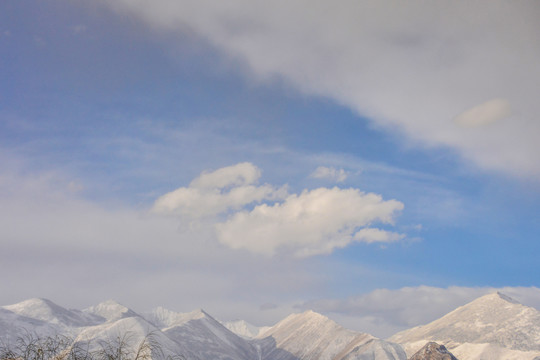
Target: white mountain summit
point(493, 326)
point(310, 335)
point(47, 311)
point(110, 310)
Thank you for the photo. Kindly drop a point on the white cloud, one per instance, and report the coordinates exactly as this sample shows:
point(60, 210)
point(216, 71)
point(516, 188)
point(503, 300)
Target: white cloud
point(216, 192)
point(266, 219)
point(485, 113)
point(236, 175)
point(313, 222)
point(330, 173)
point(410, 67)
point(384, 312)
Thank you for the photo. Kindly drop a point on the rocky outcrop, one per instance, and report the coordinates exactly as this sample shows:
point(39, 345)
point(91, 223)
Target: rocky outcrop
point(433, 351)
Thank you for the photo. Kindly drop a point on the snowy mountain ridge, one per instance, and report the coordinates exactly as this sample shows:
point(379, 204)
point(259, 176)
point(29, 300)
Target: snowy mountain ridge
point(493, 326)
point(195, 335)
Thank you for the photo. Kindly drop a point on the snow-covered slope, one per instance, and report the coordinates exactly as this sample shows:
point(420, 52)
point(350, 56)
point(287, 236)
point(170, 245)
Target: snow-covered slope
point(207, 339)
point(110, 310)
point(312, 336)
point(42, 318)
point(130, 333)
point(245, 329)
point(47, 311)
point(14, 326)
point(491, 327)
point(163, 318)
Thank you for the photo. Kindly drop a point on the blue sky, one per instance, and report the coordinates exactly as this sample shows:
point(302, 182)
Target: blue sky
point(256, 159)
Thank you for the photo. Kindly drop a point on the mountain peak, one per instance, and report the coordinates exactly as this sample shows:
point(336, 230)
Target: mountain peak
point(46, 310)
point(310, 315)
point(491, 319)
point(310, 335)
point(111, 310)
point(165, 318)
point(35, 308)
point(493, 298)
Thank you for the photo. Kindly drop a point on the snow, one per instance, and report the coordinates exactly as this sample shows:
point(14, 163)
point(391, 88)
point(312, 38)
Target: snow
point(46, 310)
point(310, 335)
point(196, 335)
point(110, 310)
point(245, 329)
point(494, 326)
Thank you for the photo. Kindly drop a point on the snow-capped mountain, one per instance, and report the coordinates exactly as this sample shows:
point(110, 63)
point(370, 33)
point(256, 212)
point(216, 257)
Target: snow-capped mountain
point(194, 335)
point(47, 311)
point(493, 326)
point(207, 338)
point(42, 318)
point(133, 331)
point(311, 336)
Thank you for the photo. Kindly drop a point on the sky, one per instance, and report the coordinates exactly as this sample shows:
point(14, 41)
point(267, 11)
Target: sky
point(374, 161)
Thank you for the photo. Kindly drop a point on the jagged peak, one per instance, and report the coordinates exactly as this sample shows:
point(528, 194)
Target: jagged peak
point(168, 319)
point(433, 351)
point(196, 314)
point(298, 320)
point(111, 310)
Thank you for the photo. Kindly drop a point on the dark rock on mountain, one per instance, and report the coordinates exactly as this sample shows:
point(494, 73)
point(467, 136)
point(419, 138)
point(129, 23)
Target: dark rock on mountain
point(433, 351)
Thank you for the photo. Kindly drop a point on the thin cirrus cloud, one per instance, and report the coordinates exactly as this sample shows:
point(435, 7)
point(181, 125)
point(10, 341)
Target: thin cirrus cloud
point(266, 219)
point(410, 67)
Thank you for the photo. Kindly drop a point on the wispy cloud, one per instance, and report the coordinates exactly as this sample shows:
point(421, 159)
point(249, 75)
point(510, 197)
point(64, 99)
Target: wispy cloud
point(411, 68)
point(484, 114)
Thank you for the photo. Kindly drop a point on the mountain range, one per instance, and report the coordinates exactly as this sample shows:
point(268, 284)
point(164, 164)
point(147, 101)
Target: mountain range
point(196, 335)
point(491, 327)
